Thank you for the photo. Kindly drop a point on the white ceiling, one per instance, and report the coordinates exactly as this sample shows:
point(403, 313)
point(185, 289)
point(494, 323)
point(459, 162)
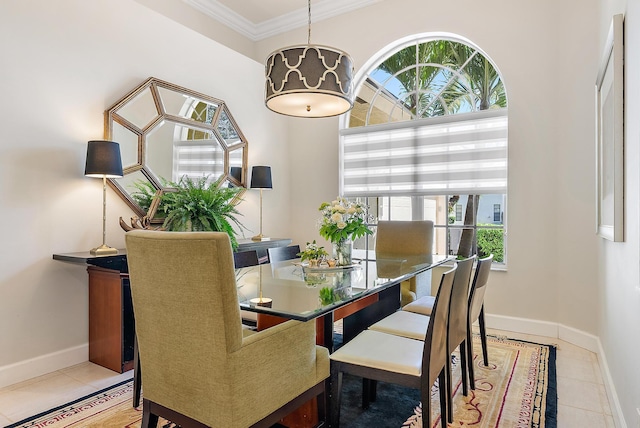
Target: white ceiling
point(259, 19)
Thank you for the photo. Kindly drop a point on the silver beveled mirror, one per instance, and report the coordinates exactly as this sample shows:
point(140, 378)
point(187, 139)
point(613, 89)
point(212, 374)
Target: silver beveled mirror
point(166, 132)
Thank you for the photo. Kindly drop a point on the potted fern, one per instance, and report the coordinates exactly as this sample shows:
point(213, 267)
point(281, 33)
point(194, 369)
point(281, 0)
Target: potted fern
point(196, 205)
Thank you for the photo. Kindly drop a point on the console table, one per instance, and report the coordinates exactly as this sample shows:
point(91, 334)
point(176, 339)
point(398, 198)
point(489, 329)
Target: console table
point(111, 320)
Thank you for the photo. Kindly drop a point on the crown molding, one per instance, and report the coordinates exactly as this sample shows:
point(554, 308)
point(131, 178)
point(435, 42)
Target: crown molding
point(298, 18)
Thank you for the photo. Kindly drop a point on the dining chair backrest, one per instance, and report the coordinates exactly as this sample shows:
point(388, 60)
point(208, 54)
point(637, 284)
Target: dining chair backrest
point(278, 254)
point(399, 239)
point(459, 302)
point(479, 286)
point(404, 238)
point(434, 357)
point(245, 258)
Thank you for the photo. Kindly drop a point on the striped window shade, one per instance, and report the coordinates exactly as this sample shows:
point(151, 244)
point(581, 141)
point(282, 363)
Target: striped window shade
point(462, 153)
point(197, 158)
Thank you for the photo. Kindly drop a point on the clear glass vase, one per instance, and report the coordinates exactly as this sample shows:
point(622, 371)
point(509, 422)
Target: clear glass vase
point(342, 252)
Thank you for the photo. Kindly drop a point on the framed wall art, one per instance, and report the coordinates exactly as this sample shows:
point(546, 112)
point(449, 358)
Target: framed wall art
point(610, 136)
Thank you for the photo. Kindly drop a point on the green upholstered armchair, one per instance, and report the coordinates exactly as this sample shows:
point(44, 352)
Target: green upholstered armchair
point(199, 367)
point(407, 238)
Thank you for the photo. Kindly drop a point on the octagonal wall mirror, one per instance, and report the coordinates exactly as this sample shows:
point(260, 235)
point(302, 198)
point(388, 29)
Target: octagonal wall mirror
point(166, 132)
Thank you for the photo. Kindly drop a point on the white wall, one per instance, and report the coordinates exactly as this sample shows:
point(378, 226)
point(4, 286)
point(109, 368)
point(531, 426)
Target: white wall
point(618, 280)
point(63, 63)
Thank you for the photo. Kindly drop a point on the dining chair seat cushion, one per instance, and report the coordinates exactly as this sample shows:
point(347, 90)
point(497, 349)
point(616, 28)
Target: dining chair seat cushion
point(403, 323)
point(422, 306)
point(382, 351)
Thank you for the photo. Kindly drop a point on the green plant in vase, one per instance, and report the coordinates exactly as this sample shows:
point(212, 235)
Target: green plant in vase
point(196, 205)
point(313, 253)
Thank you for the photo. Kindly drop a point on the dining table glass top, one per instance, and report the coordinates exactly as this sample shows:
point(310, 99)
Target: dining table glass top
point(293, 290)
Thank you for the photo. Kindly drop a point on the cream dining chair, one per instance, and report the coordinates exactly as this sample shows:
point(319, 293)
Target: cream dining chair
point(412, 325)
point(476, 312)
point(424, 306)
point(201, 368)
point(377, 356)
point(396, 239)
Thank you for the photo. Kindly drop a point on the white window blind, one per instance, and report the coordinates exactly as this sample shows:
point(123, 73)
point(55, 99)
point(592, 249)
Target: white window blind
point(454, 154)
point(197, 158)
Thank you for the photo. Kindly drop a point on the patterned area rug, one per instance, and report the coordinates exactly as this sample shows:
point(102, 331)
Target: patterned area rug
point(518, 389)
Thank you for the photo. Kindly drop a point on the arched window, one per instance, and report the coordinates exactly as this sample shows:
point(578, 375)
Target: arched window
point(427, 139)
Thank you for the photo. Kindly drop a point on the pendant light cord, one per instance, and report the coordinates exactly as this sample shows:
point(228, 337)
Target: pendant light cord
point(309, 23)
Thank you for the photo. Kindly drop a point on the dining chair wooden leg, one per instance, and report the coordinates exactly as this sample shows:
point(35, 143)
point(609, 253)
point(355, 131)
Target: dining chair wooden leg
point(483, 337)
point(449, 389)
point(366, 392)
point(149, 420)
point(463, 367)
point(444, 400)
point(369, 387)
point(469, 351)
point(137, 374)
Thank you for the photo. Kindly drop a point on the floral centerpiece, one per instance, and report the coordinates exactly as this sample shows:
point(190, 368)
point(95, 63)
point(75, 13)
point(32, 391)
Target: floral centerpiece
point(313, 253)
point(343, 221)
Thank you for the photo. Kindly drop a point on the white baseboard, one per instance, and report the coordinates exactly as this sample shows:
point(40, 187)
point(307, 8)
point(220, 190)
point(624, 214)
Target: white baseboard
point(579, 338)
point(568, 334)
point(38, 366)
point(616, 409)
point(522, 325)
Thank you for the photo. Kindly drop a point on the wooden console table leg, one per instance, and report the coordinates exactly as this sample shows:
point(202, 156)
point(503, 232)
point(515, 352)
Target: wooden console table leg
point(105, 318)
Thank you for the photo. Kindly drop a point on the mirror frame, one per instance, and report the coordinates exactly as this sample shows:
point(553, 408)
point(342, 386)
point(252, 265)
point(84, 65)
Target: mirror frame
point(111, 116)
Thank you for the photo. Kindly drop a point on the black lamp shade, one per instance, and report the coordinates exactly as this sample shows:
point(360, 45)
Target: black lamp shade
point(236, 172)
point(261, 177)
point(103, 159)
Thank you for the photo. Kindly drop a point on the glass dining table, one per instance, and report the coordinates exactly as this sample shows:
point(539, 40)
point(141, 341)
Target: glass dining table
point(359, 294)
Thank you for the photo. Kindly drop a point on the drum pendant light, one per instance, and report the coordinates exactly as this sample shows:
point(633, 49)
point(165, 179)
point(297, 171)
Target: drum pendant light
point(309, 80)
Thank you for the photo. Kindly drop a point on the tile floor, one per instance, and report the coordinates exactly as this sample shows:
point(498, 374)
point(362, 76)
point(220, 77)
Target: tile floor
point(582, 399)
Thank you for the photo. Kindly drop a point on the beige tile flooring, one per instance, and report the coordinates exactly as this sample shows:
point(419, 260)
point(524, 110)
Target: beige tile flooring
point(582, 400)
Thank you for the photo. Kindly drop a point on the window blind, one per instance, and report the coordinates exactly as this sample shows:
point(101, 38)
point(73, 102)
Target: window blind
point(197, 158)
point(454, 154)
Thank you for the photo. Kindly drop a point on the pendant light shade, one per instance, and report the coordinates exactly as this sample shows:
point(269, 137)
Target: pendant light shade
point(309, 80)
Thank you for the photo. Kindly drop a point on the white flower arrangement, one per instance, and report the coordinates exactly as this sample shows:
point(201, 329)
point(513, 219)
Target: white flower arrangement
point(343, 219)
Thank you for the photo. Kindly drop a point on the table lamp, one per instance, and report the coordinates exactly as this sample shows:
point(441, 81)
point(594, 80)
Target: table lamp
point(235, 172)
point(103, 161)
point(261, 300)
point(261, 179)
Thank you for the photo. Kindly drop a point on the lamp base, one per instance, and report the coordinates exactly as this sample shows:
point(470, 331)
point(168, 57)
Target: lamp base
point(260, 237)
point(265, 302)
point(103, 250)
